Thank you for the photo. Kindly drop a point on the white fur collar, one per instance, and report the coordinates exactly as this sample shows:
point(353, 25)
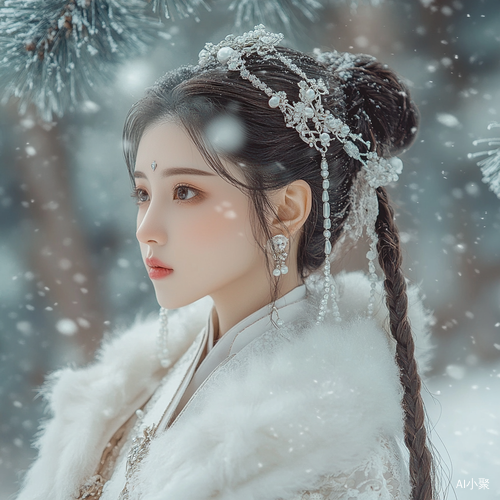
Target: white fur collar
point(354, 391)
point(89, 404)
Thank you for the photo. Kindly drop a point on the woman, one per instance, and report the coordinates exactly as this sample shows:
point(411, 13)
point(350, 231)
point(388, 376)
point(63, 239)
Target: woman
point(273, 380)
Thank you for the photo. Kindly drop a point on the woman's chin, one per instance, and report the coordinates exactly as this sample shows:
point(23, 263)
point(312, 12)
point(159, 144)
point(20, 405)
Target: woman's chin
point(169, 302)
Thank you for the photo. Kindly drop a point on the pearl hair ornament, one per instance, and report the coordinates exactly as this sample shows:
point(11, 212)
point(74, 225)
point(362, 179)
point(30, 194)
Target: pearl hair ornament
point(317, 127)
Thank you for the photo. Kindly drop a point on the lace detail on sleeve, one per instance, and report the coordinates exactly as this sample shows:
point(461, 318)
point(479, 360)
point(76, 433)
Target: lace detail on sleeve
point(382, 476)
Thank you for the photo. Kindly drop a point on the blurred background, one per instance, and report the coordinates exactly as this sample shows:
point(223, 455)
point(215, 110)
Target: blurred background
point(70, 268)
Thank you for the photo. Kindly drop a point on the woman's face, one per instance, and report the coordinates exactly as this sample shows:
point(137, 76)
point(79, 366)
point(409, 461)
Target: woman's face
point(193, 226)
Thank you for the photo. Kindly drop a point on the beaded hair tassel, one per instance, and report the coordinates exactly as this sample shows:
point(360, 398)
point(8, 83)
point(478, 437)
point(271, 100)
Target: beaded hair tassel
point(162, 346)
point(316, 126)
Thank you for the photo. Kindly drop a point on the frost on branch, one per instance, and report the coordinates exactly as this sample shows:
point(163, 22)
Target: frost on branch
point(53, 52)
point(276, 13)
point(490, 166)
point(358, 3)
point(180, 8)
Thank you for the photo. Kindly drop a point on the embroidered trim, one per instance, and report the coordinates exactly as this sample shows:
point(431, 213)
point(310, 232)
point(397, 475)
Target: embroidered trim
point(140, 448)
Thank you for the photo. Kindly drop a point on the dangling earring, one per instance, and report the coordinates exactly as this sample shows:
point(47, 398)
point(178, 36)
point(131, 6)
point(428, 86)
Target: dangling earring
point(275, 317)
point(278, 245)
point(162, 347)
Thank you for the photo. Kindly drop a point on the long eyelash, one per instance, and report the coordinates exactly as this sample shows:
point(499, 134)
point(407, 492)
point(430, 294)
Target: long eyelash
point(195, 198)
point(135, 194)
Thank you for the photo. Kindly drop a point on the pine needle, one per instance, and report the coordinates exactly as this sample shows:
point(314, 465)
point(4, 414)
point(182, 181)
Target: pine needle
point(280, 14)
point(53, 53)
point(180, 8)
point(490, 166)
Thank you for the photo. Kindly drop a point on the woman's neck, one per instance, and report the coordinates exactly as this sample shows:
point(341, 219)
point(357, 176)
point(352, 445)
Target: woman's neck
point(237, 306)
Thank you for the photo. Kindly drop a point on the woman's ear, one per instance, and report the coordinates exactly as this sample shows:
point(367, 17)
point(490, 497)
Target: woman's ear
point(292, 205)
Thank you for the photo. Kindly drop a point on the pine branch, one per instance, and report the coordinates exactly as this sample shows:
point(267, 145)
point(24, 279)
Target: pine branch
point(354, 4)
point(357, 3)
point(54, 52)
point(183, 8)
point(276, 14)
point(490, 166)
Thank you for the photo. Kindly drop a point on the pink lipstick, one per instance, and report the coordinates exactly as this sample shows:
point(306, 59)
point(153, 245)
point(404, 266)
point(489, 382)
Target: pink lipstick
point(157, 269)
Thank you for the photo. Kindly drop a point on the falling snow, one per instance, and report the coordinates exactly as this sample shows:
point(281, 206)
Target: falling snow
point(66, 327)
point(71, 269)
point(447, 119)
point(226, 133)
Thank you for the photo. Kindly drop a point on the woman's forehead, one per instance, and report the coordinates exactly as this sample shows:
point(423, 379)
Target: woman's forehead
point(169, 145)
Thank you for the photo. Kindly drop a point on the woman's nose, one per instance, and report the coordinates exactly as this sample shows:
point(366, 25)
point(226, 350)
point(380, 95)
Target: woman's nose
point(151, 227)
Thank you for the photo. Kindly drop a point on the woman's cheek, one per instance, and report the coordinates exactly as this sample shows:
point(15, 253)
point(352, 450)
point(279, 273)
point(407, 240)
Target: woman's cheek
point(218, 221)
point(215, 227)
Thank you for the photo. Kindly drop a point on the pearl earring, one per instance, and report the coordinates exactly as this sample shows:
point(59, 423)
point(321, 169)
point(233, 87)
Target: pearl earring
point(278, 245)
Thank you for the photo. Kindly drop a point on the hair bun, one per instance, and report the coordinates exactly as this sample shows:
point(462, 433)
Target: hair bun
point(377, 102)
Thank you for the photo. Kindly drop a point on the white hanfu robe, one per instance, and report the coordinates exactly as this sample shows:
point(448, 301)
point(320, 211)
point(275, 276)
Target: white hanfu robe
point(306, 411)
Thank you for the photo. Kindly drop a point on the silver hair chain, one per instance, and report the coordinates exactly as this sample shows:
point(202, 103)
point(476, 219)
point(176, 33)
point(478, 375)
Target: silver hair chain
point(318, 128)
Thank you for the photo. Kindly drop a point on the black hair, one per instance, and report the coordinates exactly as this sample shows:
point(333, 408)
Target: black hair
point(373, 102)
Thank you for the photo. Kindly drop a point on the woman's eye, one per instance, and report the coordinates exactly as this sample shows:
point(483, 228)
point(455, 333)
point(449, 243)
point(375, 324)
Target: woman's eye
point(184, 193)
point(141, 195)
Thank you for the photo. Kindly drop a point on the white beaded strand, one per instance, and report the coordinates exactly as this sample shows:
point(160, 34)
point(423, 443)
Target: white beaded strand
point(162, 339)
point(371, 256)
point(363, 216)
point(328, 285)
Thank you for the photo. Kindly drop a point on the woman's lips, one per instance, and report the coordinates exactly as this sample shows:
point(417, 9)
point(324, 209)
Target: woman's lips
point(157, 269)
point(156, 273)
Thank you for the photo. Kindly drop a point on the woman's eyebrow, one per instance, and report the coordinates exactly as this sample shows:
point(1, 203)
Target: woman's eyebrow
point(168, 172)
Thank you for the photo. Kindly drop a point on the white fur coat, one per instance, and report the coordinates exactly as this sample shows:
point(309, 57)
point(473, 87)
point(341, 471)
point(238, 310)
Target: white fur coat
point(267, 424)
